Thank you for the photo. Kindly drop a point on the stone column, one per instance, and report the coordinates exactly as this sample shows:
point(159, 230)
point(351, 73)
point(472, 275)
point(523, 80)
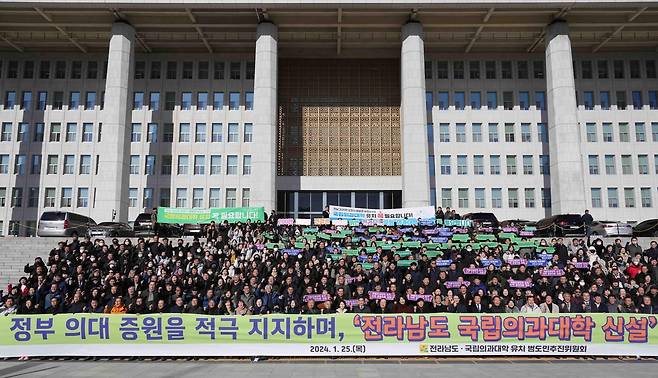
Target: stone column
point(567, 180)
point(111, 184)
point(265, 116)
point(413, 118)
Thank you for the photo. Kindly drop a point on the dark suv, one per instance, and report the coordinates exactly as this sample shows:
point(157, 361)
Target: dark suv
point(143, 226)
point(561, 225)
point(482, 220)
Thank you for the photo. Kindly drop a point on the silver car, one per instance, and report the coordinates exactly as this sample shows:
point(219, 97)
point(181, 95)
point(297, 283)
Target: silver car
point(611, 228)
point(63, 223)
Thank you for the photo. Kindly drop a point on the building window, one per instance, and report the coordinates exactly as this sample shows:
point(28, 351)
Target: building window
point(74, 100)
point(147, 198)
point(506, 69)
point(52, 164)
point(26, 101)
point(183, 164)
point(441, 70)
point(69, 164)
point(199, 165)
point(596, 197)
point(186, 101)
point(460, 133)
point(202, 100)
point(524, 100)
point(476, 134)
point(586, 69)
point(166, 165)
point(4, 164)
point(494, 164)
point(629, 197)
point(544, 165)
point(188, 68)
point(527, 165)
point(626, 165)
point(232, 165)
point(460, 99)
point(513, 198)
point(67, 197)
point(19, 164)
point(249, 101)
point(85, 164)
point(234, 69)
point(444, 133)
point(604, 99)
point(591, 132)
point(218, 100)
point(624, 135)
point(233, 133)
point(170, 100)
point(215, 164)
point(184, 132)
point(462, 165)
point(219, 69)
point(443, 100)
point(138, 100)
point(181, 197)
point(511, 164)
point(165, 197)
point(168, 133)
point(474, 70)
point(83, 197)
point(610, 168)
point(508, 100)
point(149, 165)
point(246, 165)
point(496, 198)
point(49, 197)
point(231, 200)
point(643, 164)
point(479, 198)
point(478, 164)
point(621, 100)
point(446, 197)
point(35, 167)
point(6, 132)
point(462, 197)
point(136, 132)
point(458, 70)
point(607, 132)
point(152, 133)
point(134, 164)
point(493, 132)
point(200, 134)
point(613, 197)
point(216, 132)
point(215, 199)
point(645, 197)
point(42, 100)
point(33, 197)
point(529, 196)
point(234, 101)
point(246, 195)
point(640, 132)
point(154, 101)
point(71, 130)
point(445, 164)
point(197, 197)
point(593, 161)
point(476, 100)
point(248, 132)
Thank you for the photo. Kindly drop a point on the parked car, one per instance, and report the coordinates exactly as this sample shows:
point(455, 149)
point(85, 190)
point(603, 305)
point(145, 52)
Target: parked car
point(611, 228)
point(482, 220)
point(561, 225)
point(647, 228)
point(520, 223)
point(144, 227)
point(111, 229)
point(63, 223)
point(193, 229)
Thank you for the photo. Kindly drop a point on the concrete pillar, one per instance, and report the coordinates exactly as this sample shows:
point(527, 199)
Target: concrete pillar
point(413, 118)
point(265, 117)
point(567, 180)
point(113, 172)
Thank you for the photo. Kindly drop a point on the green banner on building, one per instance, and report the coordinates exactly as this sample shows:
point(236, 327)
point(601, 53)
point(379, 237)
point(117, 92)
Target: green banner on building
point(204, 216)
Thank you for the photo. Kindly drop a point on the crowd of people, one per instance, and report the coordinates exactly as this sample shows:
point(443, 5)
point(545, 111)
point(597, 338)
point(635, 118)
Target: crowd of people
point(230, 271)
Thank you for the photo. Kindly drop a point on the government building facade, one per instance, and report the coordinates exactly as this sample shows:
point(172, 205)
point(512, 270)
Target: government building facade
point(526, 109)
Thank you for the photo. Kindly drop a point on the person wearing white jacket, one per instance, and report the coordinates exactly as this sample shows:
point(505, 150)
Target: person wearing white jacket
point(530, 307)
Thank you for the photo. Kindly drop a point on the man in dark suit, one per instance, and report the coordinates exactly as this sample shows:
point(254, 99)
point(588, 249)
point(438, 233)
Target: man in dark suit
point(598, 305)
point(566, 306)
point(476, 306)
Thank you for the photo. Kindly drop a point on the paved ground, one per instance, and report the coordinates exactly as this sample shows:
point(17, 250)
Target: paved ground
point(390, 368)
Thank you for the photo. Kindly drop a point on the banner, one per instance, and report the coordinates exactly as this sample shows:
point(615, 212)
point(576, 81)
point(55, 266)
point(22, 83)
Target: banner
point(329, 335)
point(388, 217)
point(205, 215)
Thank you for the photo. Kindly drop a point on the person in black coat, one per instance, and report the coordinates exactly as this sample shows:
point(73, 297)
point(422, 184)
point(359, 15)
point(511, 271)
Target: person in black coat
point(646, 307)
point(476, 306)
point(598, 305)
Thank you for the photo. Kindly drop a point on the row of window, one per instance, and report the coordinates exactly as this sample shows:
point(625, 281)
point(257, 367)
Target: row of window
point(610, 164)
point(624, 132)
point(202, 133)
point(199, 166)
point(493, 131)
point(507, 69)
point(171, 70)
point(613, 197)
point(235, 100)
point(475, 100)
point(66, 197)
point(50, 198)
point(56, 134)
point(72, 132)
point(446, 165)
point(495, 198)
point(637, 99)
point(68, 167)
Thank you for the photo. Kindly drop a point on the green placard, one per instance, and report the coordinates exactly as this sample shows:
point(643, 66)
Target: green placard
point(207, 215)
